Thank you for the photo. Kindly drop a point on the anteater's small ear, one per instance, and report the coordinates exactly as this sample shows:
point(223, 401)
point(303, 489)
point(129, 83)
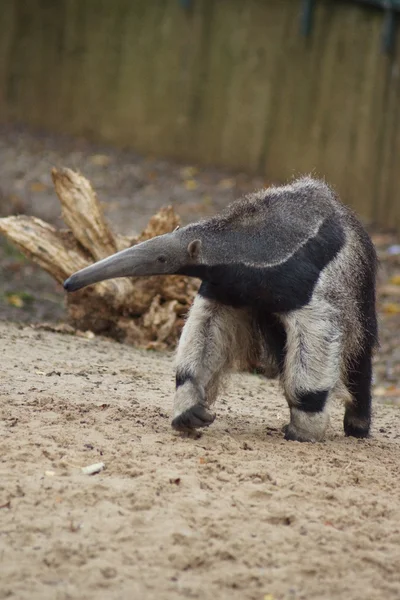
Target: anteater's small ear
point(194, 249)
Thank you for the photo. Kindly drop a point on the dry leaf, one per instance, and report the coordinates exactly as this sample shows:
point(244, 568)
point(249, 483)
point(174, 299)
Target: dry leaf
point(191, 184)
point(100, 160)
point(390, 392)
point(189, 172)
point(391, 308)
point(152, 175)
point(389, 290)
point(15, 300)
point(37, 186)
point(227, 184)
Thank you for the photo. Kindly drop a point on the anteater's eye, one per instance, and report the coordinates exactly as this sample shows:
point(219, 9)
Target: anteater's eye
point(161, 259)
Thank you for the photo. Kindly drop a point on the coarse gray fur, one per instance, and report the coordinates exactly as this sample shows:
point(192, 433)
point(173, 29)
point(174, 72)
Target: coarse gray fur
point(290, 270)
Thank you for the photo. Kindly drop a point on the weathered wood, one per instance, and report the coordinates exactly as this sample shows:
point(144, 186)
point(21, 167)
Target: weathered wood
point(83, 214)
point(7, 36)
point(54, 251)
point(146, 311)
point(230, 83)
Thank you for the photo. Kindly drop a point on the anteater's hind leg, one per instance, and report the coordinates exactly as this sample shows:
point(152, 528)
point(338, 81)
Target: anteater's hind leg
point(311, 369)
point(213, 337)
point(357, 417)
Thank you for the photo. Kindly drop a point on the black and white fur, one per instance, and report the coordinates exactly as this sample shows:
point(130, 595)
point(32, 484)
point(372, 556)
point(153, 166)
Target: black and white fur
point(289, 269)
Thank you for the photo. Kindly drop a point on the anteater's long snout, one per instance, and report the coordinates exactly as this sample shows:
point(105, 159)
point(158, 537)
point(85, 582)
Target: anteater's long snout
point(152, 257)
point(121, 264)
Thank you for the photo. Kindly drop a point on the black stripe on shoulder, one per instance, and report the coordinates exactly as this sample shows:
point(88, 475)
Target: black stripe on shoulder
point(278, 288)
point(293, 281)
point(324, 246)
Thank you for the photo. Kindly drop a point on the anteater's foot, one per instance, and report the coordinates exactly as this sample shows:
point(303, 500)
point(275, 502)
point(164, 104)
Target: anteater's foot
point(355, 426)
point(291, 435)
point(305, 426)
point(193, 418)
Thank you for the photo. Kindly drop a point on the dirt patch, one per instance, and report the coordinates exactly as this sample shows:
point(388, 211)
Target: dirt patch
point(238, 513)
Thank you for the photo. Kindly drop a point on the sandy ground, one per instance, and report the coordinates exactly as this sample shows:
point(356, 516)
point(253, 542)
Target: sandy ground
point(235, 514)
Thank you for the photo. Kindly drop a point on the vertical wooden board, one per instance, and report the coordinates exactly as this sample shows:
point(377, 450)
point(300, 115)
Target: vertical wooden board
point(167, 84)
point(388, 206)
point(135, 74)
point(311, 93)
point(151, 76)
point(291, 84)
point(33, 105)
point(89, 64)
point(87, 102)
point(242, 81)
point(85, 65)
point(23, 61)
point(289, 134)
point(73, 88)
point(219, 21)
point(391, 217)
point(322, 91)
point(66, 85)
point(48, 42)
point(127, 108)
point(252, 86)
point(311, 78)
point(368, 114)
point(69, 68)
point(336, 112)
point(193, 64)
point(236, 101)
point(273, 152)
point(355, 105)
point(388, 161)
point(7, 33)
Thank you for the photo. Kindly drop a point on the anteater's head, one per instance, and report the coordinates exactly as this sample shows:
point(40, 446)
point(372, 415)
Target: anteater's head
point(163, 255)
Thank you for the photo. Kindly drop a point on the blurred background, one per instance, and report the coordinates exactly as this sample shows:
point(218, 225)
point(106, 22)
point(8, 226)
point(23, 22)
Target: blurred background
point(193, 103)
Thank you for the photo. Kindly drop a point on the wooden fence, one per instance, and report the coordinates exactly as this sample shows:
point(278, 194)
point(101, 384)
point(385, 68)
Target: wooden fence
point(225, 82)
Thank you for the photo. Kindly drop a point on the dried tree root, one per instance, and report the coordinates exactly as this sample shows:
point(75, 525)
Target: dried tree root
point(147, 312)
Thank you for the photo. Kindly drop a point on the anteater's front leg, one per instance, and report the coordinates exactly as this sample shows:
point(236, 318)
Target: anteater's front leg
point(312, 369)
point(213, 337)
